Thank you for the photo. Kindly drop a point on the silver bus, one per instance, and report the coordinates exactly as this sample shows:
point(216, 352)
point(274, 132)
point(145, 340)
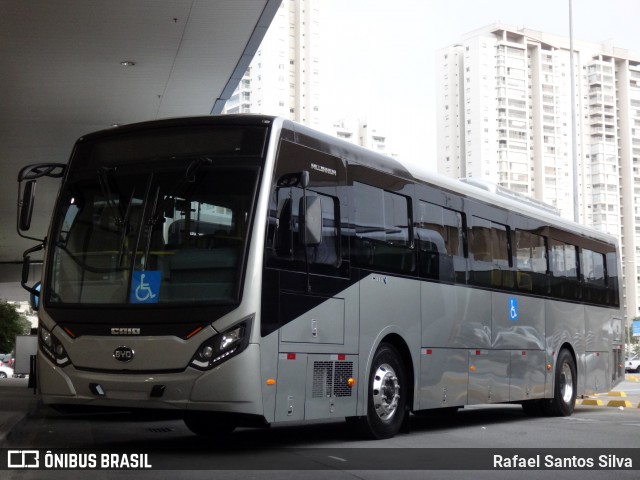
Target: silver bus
point(247, 270)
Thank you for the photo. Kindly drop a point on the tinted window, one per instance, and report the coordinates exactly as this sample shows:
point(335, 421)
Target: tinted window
point(564, 269)
point(382, 234)
point(592, 266)
point(130, 236)
point(285, 242)
point(489, 252)
point(440, 243)
point(531, 262)
point(613, 295)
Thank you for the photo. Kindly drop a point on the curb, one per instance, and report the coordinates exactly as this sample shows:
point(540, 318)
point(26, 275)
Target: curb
point(619, 402)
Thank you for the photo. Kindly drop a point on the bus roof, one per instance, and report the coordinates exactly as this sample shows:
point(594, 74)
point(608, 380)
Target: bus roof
point(467, 187)
point(472, 188)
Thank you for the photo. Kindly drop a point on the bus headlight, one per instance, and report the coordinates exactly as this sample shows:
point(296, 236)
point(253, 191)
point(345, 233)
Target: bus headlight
point(52, 348)
point(223, 346)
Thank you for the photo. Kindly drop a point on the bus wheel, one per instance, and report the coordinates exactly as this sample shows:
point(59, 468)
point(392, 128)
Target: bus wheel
point(205, 424)
point(387, 395)
point(565, 389)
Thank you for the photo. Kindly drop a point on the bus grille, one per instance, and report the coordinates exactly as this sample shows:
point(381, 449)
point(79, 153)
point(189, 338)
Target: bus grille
point(330, 379)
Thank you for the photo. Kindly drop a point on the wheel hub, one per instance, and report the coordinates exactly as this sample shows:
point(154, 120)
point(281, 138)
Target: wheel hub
point(386, 392)
point(566, 383)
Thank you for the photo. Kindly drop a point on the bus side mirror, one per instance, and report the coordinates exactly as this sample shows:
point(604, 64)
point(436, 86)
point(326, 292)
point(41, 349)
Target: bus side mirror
point(26, 267)
point(26, 205)
point(312, 220)
point(27, 189)
point(34, 297)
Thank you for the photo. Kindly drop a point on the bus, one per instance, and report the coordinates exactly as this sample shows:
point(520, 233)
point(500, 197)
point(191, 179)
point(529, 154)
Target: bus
point(247, 270)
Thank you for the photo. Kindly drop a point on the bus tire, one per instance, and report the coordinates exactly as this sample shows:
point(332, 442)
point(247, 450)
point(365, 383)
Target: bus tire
point(565, 387)
point(205, 424)
point(386, 395)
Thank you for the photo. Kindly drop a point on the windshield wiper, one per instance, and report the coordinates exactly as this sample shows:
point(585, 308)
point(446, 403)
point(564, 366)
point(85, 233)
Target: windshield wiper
point(105, 185)
point(188, 178)
point(125, 230)
point(150, 226)
point(158, 208)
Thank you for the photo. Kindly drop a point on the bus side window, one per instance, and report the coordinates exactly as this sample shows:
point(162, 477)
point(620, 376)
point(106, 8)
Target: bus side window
point(288, 242)
point(489, 252)
point(613, 295)
point(326, 251)
point(284, 229)
point(382, 234)
point(564, 269)
point(531, 262)
point(592, 267)
point(440, 242)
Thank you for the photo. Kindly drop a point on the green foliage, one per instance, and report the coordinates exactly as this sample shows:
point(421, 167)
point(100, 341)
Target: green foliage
point(12, 324)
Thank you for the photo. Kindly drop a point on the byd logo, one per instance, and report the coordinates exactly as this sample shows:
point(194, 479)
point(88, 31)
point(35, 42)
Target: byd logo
point(123, 354)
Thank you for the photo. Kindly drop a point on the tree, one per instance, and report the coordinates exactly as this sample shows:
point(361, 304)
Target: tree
point(12, 324)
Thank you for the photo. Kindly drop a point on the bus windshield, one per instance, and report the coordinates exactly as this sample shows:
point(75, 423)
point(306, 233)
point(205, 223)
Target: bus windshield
point(156, 230)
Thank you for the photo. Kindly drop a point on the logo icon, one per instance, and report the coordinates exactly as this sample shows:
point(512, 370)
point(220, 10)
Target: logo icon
point(513, 309)
point(23, 459)
point(145, 286)
point(125, 331)
point(123, 354)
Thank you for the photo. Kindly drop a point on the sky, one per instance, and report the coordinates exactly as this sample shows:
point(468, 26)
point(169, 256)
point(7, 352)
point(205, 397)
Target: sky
point(379, 62)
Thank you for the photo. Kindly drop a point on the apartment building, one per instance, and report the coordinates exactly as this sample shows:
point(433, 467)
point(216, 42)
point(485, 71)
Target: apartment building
point(505, 112)
point(363, 133)
point(284, 75)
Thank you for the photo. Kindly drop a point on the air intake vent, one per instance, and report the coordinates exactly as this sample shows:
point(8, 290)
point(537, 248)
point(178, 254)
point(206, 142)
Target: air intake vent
point(330, 379)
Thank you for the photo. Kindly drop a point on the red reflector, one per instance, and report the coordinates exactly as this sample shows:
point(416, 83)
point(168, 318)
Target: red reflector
point(69, 332)
point(429, 351)
point(524, 353)
point(478, 352)
point(194, 332)
point(291, 356)
point(342, 356)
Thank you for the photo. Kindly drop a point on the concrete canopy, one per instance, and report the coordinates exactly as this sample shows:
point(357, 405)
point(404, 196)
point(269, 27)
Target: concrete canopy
point(70, 67)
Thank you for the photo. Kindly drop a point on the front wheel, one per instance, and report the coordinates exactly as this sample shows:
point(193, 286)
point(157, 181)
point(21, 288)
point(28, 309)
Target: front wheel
point(387, 395)
point(565, 388)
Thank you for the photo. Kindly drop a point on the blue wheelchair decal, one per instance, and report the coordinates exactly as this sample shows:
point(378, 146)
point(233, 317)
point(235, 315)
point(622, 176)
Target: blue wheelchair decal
point(145, 286)
point(513, 309)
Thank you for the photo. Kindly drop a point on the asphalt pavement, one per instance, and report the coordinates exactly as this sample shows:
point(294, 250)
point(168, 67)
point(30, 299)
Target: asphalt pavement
point(17, 401)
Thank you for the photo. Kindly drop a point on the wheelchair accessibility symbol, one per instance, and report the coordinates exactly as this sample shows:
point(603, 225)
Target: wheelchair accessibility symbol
point(145, 286)
point(513, 309)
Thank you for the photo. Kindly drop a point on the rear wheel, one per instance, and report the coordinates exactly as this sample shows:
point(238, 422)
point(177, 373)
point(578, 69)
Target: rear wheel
point(3, 375)
point(565, 388)
point(387, 395)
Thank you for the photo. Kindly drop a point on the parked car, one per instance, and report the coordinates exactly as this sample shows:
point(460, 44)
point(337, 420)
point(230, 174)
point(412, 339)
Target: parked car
point(632, 364)
point(6, 372)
